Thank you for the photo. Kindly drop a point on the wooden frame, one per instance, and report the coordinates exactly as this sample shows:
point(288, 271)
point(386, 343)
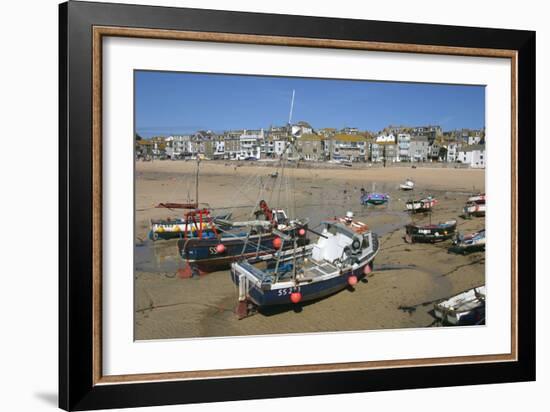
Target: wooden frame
point(82, 27)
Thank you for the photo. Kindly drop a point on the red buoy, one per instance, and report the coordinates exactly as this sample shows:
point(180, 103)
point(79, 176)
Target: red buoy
point(295, 297)
point(352, 280)
point(301, 231)
point(220, 248)
point(277, 243)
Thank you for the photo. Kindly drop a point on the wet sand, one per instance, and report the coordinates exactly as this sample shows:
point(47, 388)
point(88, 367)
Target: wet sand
point(407, 278)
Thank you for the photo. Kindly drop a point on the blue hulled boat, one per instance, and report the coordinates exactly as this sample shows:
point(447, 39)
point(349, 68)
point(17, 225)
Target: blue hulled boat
point(342, 256)
point(375, 199)
point(213, 250)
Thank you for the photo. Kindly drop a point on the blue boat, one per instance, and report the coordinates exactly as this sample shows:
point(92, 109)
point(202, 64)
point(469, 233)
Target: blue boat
point(213, 250)
point(375, 199)
point(342, 256)
point(474, 242)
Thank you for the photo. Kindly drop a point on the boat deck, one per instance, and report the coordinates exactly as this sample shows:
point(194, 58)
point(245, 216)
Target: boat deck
point(315, 269)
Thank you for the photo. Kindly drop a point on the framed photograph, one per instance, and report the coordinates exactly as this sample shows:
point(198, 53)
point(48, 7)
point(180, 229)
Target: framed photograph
point(257, 206)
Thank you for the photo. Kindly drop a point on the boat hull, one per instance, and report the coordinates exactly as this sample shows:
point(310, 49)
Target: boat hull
point(374, 199)
point(264, 295)
point(203, 255)
point(429, 234)
point(309, 291)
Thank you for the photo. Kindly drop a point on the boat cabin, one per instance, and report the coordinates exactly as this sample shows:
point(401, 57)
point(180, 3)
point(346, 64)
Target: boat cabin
point(337, 238)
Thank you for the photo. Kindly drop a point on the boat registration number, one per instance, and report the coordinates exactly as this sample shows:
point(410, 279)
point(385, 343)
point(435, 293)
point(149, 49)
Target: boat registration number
point(287, 291)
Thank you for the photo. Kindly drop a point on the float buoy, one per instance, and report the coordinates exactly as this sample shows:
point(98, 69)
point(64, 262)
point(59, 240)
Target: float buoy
point(352, 280)
point(277, 243)
point(367, 269)
point(220, 248)
point(295, 297)
point(301, 231)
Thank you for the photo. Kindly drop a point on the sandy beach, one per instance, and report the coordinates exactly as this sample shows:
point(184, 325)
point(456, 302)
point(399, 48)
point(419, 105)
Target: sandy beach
point(406, 281)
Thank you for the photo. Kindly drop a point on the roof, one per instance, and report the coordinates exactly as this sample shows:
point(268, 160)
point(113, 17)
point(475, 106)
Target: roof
point(473, 147)
point(311, 137)
point(349, 138)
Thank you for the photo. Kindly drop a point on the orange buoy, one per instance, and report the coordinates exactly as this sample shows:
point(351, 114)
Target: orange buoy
point(277, 243)
point(352, 280)
point(295, 297)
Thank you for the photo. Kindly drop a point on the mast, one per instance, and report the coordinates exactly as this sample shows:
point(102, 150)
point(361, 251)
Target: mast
point(197, 182)
point(291, 108)
point(194, 205)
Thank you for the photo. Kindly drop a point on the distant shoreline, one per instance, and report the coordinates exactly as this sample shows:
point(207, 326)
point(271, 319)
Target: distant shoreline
point(307, 164)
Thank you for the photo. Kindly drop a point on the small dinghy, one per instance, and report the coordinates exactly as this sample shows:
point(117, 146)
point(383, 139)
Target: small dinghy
point(430, 233)
point(474, 242)
point(466, 308)
point(408, 185)
point(374, 199)
point(475, 208)
point(422, 205)
point(342, 256)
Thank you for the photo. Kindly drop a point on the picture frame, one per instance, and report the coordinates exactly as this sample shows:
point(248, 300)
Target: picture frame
point(82, 28)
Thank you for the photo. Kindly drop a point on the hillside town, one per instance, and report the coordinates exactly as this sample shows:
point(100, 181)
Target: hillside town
point(393, 144)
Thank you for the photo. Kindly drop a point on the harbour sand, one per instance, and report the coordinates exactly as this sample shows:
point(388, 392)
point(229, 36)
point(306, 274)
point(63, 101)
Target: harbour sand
point(406, 281)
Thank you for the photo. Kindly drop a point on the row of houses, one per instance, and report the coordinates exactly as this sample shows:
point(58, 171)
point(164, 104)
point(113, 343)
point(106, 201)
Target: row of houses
point(393, 144)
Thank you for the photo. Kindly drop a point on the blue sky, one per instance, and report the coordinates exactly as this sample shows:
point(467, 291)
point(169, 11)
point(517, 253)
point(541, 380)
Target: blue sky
point(181, 103)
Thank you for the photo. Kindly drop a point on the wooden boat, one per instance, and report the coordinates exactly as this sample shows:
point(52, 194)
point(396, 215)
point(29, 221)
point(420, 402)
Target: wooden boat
point(408, 185)
point(342, 255)
point(422, 205)
point(466, 308)
point(476, 208)
point(207, 253)
point(185, 227)
point(375, 199)
point(430, 233)
point(474, 242)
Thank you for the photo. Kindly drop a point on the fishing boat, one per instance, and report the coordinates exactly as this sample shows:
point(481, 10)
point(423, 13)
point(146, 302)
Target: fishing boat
point(342, 255)
point(476, 208)
point(174, 228)
point(422, 205)
point(430, 233)
point(477, 198)
point(466, 308)
point(408, 185)
point(375, 199)
point(212, 250)
point(473, 242)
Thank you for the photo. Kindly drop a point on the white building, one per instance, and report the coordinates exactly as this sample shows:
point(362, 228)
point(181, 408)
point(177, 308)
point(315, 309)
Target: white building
point(404, 144)
point(251, 143)
point(473, 156)
point(452, 152)
point(279, 147)
point(178, 146)
point(474, 139)
point(219, 149)
point(383, 138)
